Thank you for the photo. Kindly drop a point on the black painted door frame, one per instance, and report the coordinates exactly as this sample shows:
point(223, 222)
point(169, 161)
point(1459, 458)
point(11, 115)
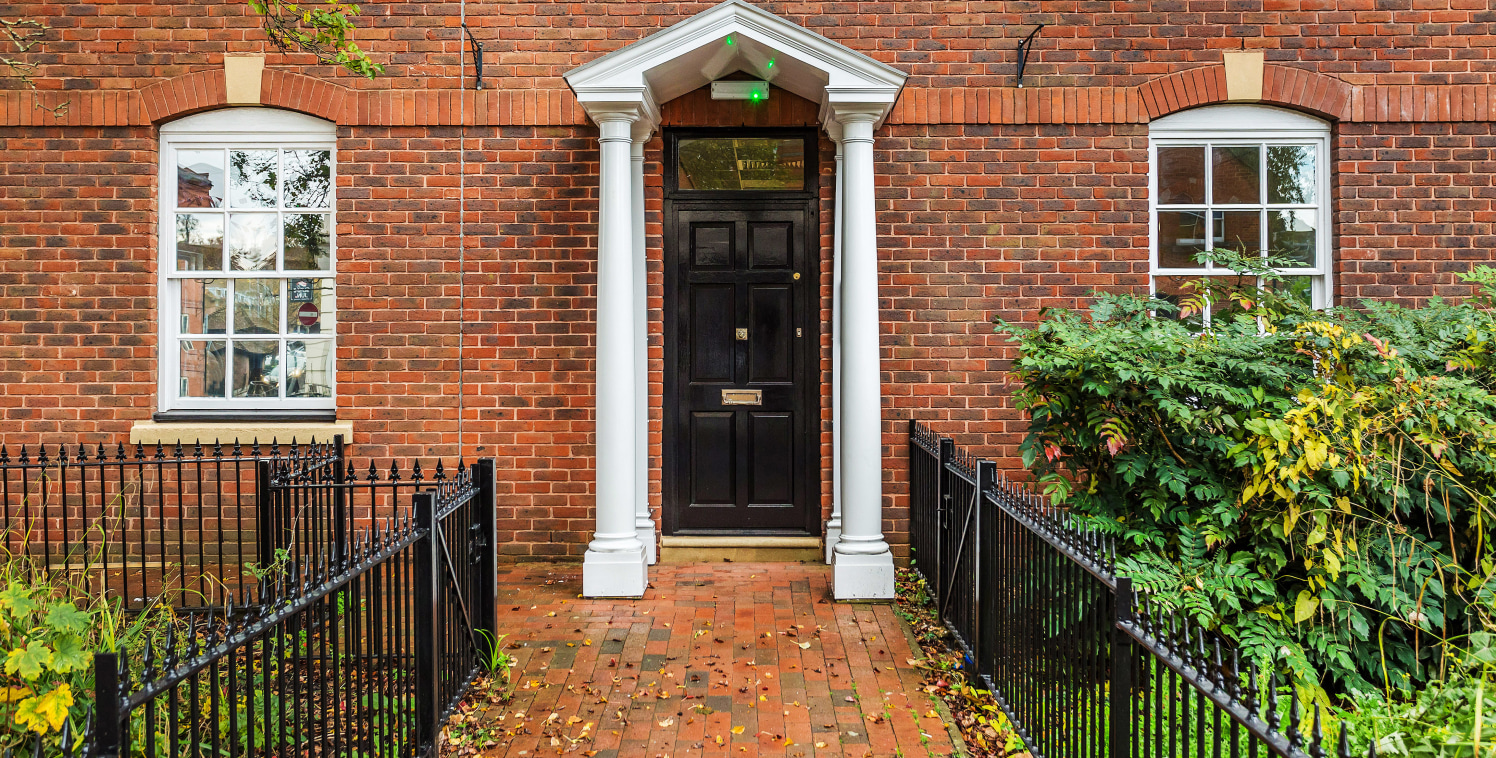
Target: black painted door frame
point(740, 204)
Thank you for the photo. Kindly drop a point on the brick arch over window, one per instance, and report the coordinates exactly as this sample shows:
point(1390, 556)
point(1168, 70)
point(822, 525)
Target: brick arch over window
point(1314, 93)
point(205, 90)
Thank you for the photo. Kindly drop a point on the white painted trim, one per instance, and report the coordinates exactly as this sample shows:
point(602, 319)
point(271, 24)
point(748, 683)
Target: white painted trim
point(678, 59)
point(226, 129)
point(1246, 125)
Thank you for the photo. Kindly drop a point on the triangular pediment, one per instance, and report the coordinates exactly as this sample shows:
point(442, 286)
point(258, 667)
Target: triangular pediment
point(735, 36)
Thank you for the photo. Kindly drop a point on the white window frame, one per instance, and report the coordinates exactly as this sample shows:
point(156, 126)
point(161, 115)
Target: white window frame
point(233, 128)
point(1245, 125)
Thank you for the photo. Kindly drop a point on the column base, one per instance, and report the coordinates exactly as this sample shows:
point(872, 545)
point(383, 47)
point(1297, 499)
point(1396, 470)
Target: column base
point(646, 532)
point(833, 536)
point(623, 574)
point(863, 577)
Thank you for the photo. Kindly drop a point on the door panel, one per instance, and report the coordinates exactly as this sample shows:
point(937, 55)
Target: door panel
point(770, 345)
point(712, 332)
point(740, 310)
point(771, 449)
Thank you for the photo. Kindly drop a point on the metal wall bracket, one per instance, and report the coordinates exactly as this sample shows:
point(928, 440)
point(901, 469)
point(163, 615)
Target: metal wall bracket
point(1024, 48)
point(478, 58)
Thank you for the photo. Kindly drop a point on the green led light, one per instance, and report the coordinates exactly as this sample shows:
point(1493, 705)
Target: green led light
point(771, 64)
point(729, 40)
point(755, 95)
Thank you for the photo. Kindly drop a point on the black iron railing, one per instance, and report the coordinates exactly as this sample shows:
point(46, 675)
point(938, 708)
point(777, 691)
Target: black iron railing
point(1081, 666)
point(355, 647)
point(140, 523)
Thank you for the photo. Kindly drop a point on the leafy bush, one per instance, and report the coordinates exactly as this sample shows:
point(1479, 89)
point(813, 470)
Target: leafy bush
point(1314, 485)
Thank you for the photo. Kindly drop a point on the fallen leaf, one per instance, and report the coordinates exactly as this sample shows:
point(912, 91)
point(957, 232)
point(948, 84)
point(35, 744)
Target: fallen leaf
point(667, 723)
point(804, 645)
point(737, 730)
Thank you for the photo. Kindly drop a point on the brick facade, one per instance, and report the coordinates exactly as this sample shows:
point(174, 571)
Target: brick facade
point(994, 201)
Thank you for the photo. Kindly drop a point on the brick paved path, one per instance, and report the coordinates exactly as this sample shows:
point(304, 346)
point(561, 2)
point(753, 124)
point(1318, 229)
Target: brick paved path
point(730, 659)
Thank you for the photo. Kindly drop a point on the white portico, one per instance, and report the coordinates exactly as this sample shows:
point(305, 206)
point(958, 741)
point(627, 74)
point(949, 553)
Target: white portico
point(621, 92)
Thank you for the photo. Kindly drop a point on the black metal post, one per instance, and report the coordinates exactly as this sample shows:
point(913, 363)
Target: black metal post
point(340, 503)
point(946, 517)
point(485, 523)
point(986, 482)
point(1121, 664)
point(264, 513)
point(426, 616)
point(106, 736)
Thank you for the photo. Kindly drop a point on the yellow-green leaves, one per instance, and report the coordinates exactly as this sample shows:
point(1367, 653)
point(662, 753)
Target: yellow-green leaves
point(1304, 607)
point(65, 617)
point(17, 601)
point(47, 712)
point(28, 662)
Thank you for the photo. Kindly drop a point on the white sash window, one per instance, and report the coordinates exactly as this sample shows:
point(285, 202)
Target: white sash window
point(247, 254)
point(1247, 178)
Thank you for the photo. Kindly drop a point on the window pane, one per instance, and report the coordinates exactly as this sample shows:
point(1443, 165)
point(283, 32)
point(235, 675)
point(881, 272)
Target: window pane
point(1236, 172)
point(199, 178)
point(256, 368)
point(199, 242)
point(253, 241)
point(308, 365)
point(308, 178)
point(257, 306)
point(1290, 174)
point(1300, 288)
point(203, 304)
point(1181, 175)
point(253, 176)
point(201, 365)
point(309, 306)
point(1238, 230)
point(1181, 234)
point(742, 164)
point(1292, 233)
point(308, 241)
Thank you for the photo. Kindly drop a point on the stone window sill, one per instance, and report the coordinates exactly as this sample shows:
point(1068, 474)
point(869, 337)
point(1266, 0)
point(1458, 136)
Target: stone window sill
point(188, 431)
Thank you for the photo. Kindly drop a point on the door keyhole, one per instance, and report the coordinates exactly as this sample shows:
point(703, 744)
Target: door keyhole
point(742, 335)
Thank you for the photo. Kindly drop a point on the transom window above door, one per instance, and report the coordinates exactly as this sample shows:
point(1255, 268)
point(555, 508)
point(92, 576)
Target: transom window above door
point(1249, 179)
point(247, 259)
point(741, 163)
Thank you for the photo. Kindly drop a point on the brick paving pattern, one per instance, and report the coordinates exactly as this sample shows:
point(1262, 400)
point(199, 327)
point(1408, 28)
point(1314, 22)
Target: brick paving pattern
point(730, 659)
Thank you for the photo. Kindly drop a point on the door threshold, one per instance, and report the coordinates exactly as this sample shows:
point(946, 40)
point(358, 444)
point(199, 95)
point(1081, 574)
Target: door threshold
point(745, 548)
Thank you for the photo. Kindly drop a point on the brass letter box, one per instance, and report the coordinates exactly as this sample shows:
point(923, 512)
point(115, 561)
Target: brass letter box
point(742, 397)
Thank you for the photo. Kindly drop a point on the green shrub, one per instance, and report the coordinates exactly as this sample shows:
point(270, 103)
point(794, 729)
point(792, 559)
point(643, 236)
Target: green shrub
point(1315, 485)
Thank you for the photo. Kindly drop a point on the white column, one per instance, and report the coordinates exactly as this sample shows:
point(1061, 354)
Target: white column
point(834, 524)
point(863, 563)
point(614, 565)
point(644, 525)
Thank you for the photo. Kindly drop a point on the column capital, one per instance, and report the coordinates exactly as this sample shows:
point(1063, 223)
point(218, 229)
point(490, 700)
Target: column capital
point(620, 105)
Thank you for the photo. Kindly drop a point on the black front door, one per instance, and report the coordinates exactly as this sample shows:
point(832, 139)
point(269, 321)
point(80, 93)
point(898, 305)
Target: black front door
point(740, 338)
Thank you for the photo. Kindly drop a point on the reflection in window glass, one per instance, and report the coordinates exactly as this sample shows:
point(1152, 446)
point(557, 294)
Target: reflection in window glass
point(309, 306)
point(254, 255)
point(1235, 174)
point(203, 305)
point(1238, 194)
point(308, 241)
point(257, 306)
point(1180, 235)
point(253, 174)
point(1292, 233)
point(1290, 174)
point(1181, 175)
point(308, 178)
point(200, 178)
point(252, 241)
point(309, 368)
point(727, 163)
point(256, 368)
point(199, 241)
point(201, 368)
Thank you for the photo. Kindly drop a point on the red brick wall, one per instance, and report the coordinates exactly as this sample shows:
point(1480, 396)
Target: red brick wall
point(77, 282)
point(1415, 207)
